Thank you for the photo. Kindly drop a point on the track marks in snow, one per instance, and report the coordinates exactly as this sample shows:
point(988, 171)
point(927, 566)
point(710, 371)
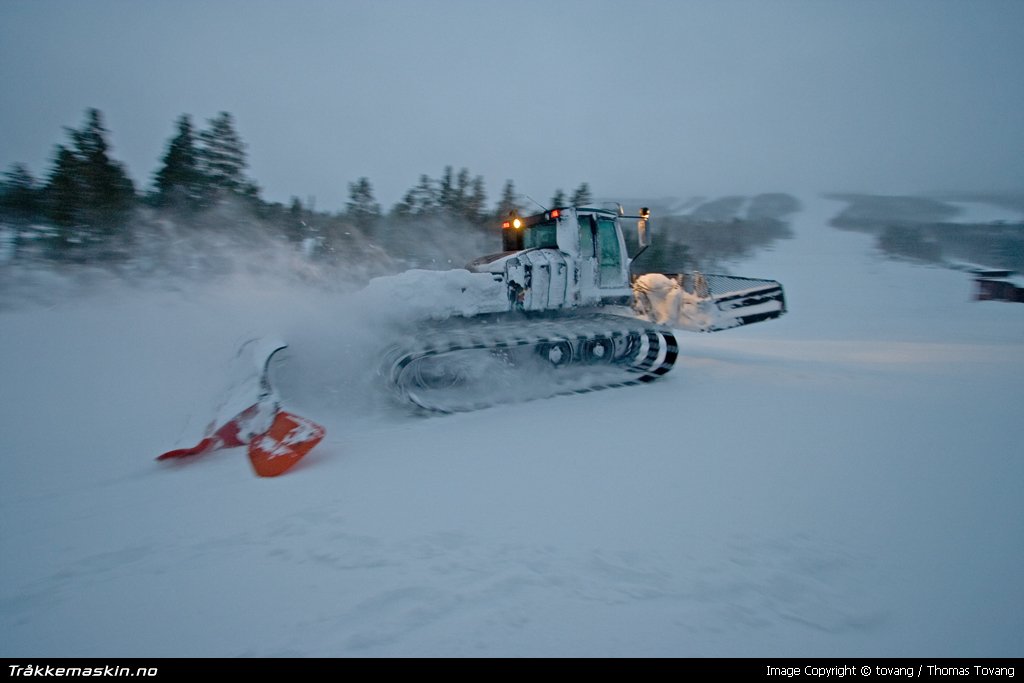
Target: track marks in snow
point(410, 596)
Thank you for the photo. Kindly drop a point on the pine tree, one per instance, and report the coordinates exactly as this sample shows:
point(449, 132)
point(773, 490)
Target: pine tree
point(19, 195)
point(475, 205)
point(362, 209)
point(20, 205)
point(296, 223)
point(509, 201)
point(222, 158)
point(462, 184)
point(581, 197)
point(558, 200)
point(65, 197)
point(447, 196)
point(424, 199)
point(109, 192)
point(180, 182)
point(88, 195)
point(404, 208)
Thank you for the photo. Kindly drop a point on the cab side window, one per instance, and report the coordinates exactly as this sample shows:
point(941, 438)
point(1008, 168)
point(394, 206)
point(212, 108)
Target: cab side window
point(586, 237)
point(609, 253)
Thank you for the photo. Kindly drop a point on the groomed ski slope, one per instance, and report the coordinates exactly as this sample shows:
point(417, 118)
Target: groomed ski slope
point(842, 481)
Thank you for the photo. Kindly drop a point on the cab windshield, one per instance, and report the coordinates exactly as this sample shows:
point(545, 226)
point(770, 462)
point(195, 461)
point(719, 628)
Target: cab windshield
point(541, 236)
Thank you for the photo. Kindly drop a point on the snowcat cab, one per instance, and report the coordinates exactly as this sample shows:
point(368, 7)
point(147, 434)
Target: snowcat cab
point(563, 258)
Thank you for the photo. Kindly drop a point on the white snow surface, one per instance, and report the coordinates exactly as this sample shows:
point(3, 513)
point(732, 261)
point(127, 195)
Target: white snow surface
point(843, 481)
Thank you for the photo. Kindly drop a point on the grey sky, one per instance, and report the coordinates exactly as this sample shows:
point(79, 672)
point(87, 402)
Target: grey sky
point(637, 97)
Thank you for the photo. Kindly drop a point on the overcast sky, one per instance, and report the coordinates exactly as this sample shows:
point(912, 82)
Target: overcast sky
point(637, 97)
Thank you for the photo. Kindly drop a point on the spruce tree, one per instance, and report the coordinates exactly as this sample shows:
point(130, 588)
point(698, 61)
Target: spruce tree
point(581, 197)
point(88, 195)
point(65, 199)
point(180, 182)
point(475, 205)
point(222, 158)
point(404, 208)
point(109, 192)
point(447, 196)
point(462, 183)
point(362, 209)
point(509, 201)
point(19, 206)
point(424, 199)
point(19, 196)
point(296, 225)
point(458, 195)
point(558, 200)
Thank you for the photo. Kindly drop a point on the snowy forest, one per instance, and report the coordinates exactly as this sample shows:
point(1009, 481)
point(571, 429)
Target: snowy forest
point(88, 209)
point(201, 210)
point(201, 205)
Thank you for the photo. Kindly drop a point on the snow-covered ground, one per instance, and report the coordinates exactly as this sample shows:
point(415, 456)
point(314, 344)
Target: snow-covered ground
point(842, 481)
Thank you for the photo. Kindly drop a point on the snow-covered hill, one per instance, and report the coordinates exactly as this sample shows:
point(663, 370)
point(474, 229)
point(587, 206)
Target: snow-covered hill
point(842, 481)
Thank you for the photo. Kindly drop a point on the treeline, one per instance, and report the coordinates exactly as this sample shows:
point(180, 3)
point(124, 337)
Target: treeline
point(200, 212)
point(924, 230)
point(714, 234)
point(88, 209)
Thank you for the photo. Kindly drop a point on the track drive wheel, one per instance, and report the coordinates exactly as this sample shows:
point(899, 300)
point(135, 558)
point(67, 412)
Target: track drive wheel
point(598, 350)
point(557, 353)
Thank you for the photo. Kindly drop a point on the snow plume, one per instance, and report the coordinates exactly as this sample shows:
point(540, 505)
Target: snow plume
point(230, 239)
point(175, 252)
point(227, 276)
point(165, 248)
point(336, 342)
point(436, 242)
point(337, 339)
point(181, 335)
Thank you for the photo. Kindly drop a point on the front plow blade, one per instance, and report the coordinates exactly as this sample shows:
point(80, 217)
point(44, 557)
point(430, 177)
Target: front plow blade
point(707, 303)
point(744, 300)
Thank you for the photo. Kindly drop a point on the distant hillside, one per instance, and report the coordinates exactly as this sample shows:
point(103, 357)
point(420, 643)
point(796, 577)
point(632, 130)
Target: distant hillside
point(927, 229)
point(709, 233)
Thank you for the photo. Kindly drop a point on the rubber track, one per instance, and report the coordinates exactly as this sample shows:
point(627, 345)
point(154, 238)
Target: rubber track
point(662, 350)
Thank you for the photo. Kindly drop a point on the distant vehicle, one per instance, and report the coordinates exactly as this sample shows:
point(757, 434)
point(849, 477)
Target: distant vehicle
point(998, 285)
